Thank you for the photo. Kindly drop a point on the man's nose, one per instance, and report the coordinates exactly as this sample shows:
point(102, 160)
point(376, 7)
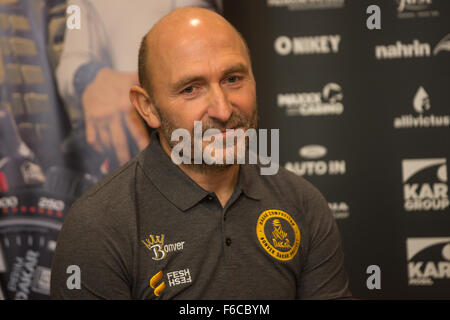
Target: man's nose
point(219, 107)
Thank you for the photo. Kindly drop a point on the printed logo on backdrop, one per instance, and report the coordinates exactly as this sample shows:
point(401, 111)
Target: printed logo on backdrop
point(421, 104)
point(443, 45)
point(428, 261)
point(413, 49)
point(340, 210)
point(307, 45)
point(425, 185)
point(327, 102)
point(415, 9)
point(314, 165)
point(297, 5)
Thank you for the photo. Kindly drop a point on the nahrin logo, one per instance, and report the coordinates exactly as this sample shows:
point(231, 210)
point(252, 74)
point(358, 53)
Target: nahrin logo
point(416, 49)
point(327, 102)
point(157, 288)
point(315, 167)
point(421, 194)
point(428, 261)
point(421, 104)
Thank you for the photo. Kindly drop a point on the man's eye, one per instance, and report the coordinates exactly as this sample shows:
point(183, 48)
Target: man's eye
point(233, 79)
point(188, 90)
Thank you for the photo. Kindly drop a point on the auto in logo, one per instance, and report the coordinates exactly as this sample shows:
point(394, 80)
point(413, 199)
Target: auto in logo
point(415, 9)
point(313, 151)
point(313, 166)
point(421, 103)
point(325, 103)
point(425, 184)
point(428, 261)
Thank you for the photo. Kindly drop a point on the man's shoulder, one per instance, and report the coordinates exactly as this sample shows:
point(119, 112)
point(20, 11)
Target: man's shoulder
point(111, 194)
point(112, 180)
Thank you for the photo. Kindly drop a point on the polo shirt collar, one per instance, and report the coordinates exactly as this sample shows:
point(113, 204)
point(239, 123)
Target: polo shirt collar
point(178, 187)
point(249, 181)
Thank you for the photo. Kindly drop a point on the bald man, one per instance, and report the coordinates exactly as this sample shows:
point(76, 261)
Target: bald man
point(155, 229)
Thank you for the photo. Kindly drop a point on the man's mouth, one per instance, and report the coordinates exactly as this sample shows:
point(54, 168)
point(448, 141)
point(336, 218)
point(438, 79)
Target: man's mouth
point(223, 133)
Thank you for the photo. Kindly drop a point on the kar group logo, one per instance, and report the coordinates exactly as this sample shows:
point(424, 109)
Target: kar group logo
point(425, 185)
point(428, 261)
point(415, 9)
point(423, 119)
point(278, 234)
point(313, 166)
point(327, 102)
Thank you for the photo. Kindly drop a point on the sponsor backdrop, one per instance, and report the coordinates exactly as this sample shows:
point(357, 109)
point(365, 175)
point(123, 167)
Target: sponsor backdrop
point(365, 116)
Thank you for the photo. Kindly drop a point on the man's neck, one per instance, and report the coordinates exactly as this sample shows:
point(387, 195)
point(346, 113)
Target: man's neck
point(220, 180)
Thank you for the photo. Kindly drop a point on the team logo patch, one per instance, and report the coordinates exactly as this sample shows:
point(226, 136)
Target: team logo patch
point(278, 234)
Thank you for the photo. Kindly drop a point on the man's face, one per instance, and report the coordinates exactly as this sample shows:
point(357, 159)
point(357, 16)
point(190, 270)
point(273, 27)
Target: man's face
point(205, 78)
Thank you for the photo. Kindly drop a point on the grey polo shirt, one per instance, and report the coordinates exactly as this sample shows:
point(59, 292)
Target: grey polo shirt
point(149, 232)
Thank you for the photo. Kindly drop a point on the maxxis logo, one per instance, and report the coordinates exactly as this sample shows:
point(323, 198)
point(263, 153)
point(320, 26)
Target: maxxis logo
point(327, 102)
point(278, 234)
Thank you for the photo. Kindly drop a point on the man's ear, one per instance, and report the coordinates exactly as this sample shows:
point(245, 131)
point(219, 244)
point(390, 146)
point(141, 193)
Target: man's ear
point(144, 105)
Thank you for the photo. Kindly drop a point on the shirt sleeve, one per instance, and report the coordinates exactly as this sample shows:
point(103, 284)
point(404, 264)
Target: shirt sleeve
point(323, 275)
point(85, 46)
point(89, 242)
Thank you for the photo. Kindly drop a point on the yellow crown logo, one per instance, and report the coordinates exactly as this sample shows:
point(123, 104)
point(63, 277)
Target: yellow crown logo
point(151, 241)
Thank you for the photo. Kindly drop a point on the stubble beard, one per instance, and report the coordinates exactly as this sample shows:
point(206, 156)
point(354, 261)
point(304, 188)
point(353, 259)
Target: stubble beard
point(236, 121)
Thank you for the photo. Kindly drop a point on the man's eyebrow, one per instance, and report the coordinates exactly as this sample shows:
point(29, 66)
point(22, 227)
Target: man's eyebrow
point(189, 79)
point(236, 68)
point(186, 80)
